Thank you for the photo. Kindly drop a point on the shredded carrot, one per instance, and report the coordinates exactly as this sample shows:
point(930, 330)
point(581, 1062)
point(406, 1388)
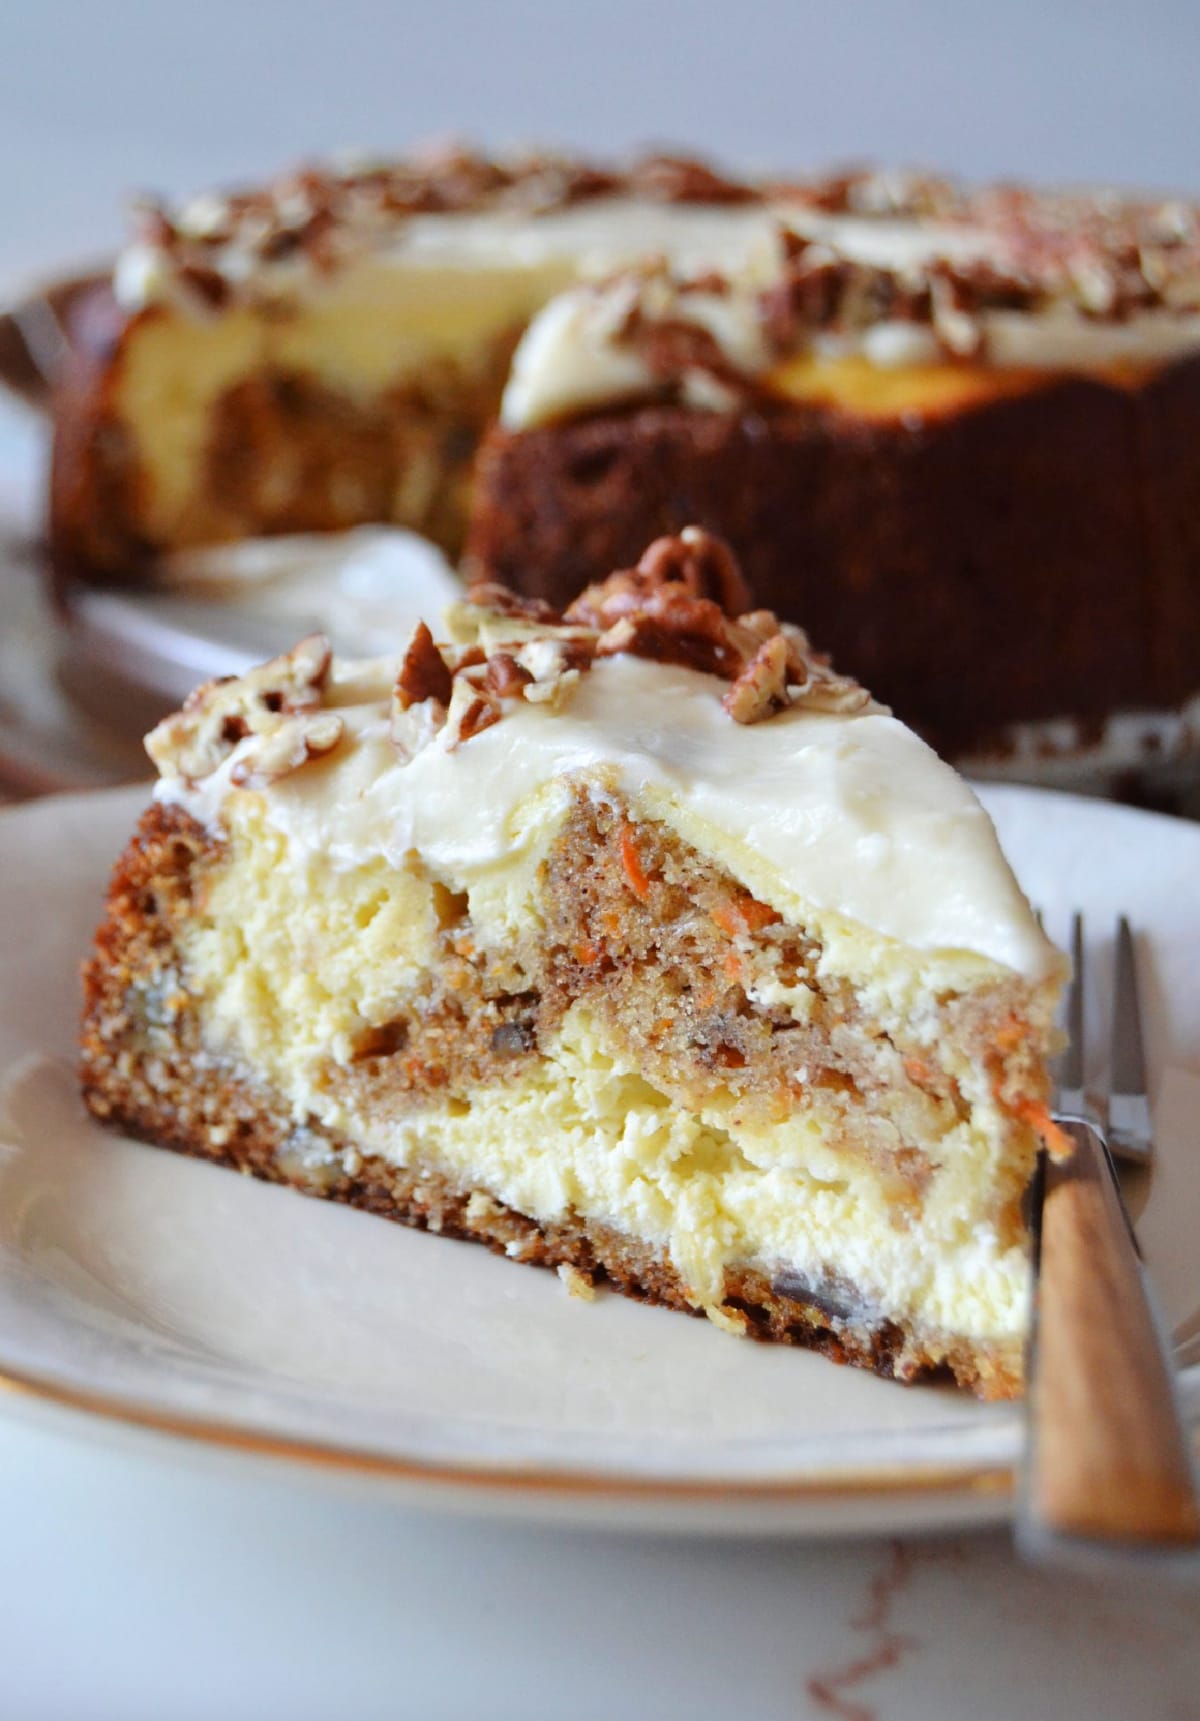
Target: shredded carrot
point(587, 954)
point(743, 914)
point(918, 1071)
point(1037, 1115)
point(732, 964)
point(757, 914)
point(638, 883)
point(1009, 1035)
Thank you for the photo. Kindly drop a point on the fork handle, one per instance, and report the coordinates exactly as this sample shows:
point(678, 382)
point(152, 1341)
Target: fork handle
point(1108, 1458)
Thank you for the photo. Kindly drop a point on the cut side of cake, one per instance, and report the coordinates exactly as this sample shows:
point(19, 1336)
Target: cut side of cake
point(325, 350)
point(631, 940)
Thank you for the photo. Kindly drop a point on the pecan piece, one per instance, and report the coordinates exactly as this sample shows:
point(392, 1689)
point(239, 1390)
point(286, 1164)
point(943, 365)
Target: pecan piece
point(505, 677)
point(196, 740)
point(472, 709)
point(554, 667)
point(479, 715)
point(680, 179)
point(490, 595)
point(285, 748)
point(672, 347)
point(413, 727)
point(699, 561)
point(761, 688)
point(826, 691)
point(424, 673)
point(207, 284)
point(678, 629)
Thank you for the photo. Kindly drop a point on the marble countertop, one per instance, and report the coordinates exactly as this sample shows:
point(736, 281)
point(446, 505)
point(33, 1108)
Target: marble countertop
point(140, 1579)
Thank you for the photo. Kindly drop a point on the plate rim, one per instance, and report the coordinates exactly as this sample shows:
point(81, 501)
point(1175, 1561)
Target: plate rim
point(568, 1482)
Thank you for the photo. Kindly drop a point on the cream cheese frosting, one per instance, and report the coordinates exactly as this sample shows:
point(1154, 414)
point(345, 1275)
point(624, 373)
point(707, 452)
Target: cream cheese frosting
point(850, 814)
point(580, 270)
point(590, 238)
point(576, 353)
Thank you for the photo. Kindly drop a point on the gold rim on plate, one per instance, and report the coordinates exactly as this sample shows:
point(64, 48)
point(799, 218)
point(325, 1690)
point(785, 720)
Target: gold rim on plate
point(885, 1481)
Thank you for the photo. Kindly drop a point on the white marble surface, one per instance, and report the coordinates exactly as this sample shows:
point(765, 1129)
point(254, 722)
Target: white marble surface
point(143, 1581)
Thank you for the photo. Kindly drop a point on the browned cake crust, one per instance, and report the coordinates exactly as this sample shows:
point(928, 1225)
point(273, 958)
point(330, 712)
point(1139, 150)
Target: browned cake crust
point(283, 454)
point(1048, 544)
point(90, 513)
point(141, 1072)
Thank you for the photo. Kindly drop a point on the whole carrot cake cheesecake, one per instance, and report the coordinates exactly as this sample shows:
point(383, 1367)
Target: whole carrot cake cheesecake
point(916, 409)
point(630, 939)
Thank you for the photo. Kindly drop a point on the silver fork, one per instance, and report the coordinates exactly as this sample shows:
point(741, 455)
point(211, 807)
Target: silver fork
point(1108, 1465)
point(1124, 1119)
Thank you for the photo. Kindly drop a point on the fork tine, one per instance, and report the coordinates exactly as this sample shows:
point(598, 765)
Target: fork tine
point(1130, 1129)
point(1072, 1101)
point(1186, 1355)
point(1188, 1331)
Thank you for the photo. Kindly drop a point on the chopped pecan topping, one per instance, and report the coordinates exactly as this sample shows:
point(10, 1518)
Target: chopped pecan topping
point(413, 727)
point(554, 666)
point(826, 691)
point(467, 695)
point(672, 627)
point(206, 284)
point(761, 688)
point(195, 741)
point(424, 672)
point(1104, 255)
point(284, 749)
point(698, 561)
point(676, 350)
point(502, 600)
point(680, 179)
point(671, 608)
point(1103, 258)
point(472, 709)
point(464, 657)
point(705, 563)
point(680, 604)
point(479, 715)
point(506, 678)
point(321, 215)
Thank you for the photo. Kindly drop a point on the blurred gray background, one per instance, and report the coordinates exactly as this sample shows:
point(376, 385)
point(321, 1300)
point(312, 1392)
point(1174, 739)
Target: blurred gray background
point(100, 97)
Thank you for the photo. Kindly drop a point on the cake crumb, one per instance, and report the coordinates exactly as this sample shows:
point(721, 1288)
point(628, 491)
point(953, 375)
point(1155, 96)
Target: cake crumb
point(729, 1320)
point(578, 1284)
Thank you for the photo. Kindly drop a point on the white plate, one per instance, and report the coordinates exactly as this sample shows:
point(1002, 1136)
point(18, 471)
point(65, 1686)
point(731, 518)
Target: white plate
point(165, 1293)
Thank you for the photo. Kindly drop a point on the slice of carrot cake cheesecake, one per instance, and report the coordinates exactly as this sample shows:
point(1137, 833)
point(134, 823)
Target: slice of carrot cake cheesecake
point(631, 940)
